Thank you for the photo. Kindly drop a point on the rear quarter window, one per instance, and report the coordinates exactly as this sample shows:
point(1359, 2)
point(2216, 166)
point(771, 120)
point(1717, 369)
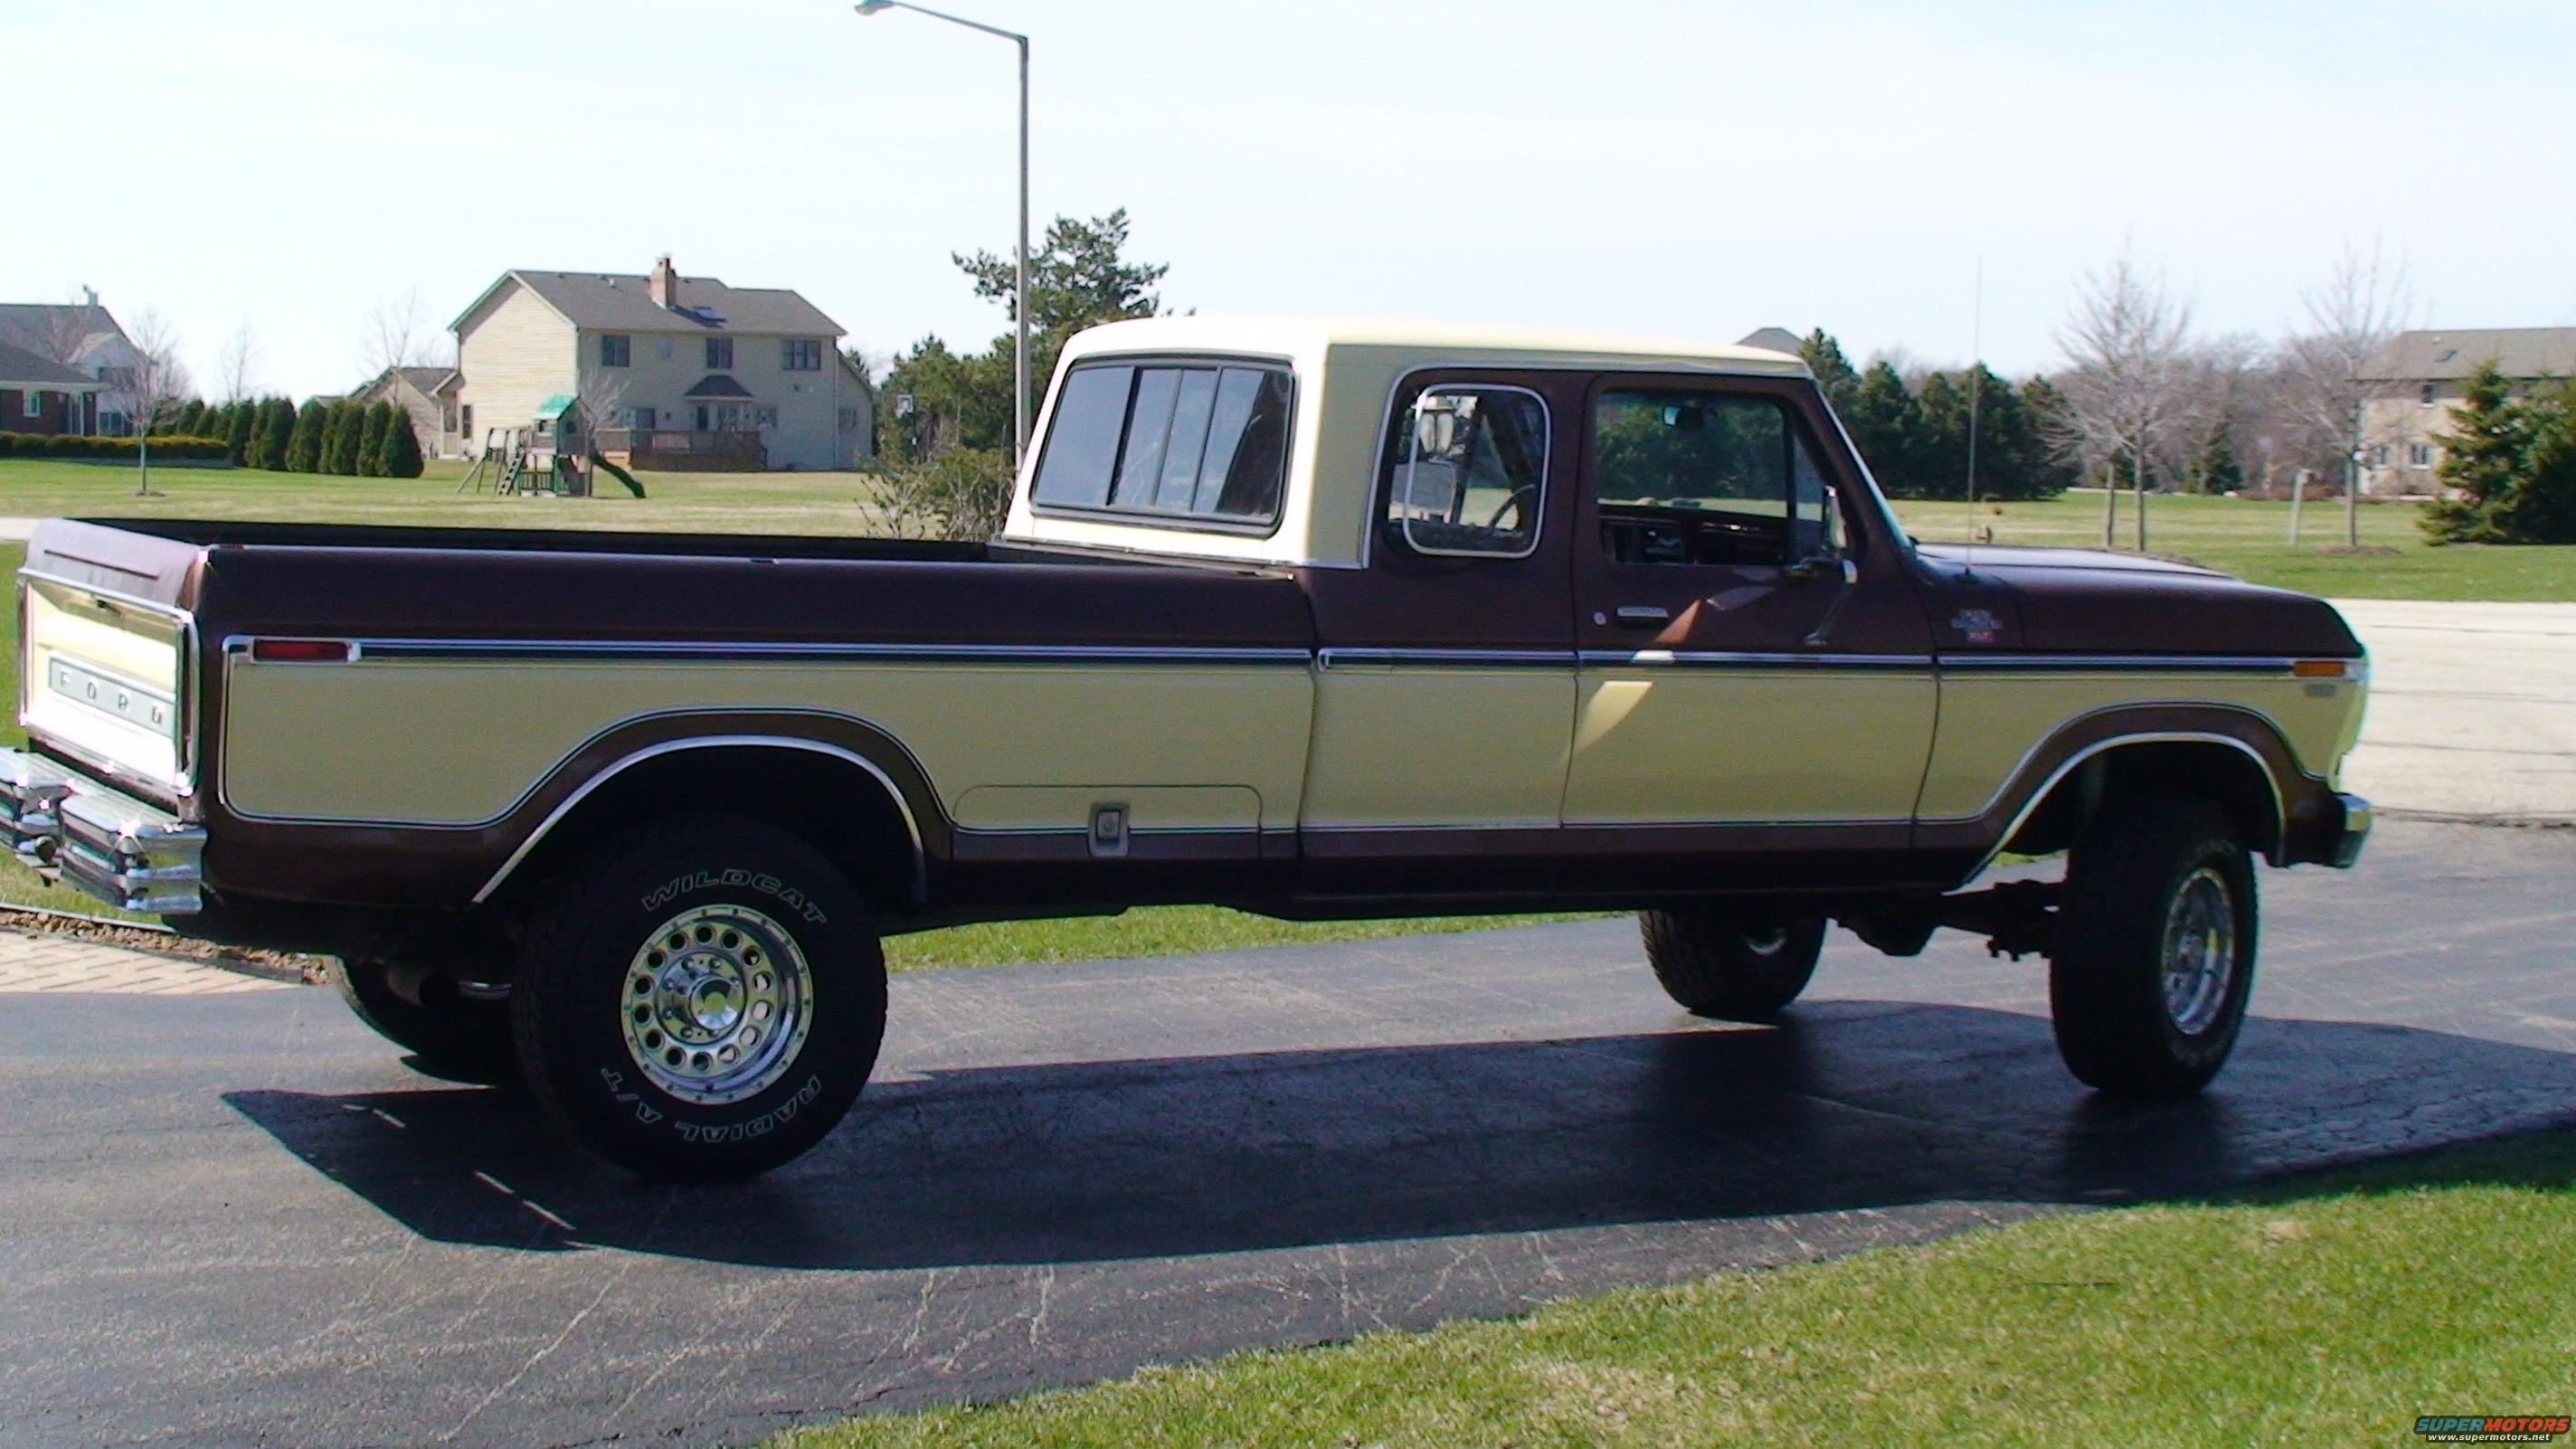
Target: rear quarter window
point(1188, 442)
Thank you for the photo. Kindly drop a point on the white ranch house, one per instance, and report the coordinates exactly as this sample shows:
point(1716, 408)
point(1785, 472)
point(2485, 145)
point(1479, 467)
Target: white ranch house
point(672, 371)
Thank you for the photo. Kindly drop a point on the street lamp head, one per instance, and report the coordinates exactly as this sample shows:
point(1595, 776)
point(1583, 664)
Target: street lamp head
point(873, 7)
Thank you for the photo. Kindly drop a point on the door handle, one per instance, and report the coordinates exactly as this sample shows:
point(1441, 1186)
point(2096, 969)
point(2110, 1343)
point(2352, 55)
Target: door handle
point(1643, 616)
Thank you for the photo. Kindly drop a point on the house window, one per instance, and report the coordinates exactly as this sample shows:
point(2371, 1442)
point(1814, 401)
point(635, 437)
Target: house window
point(615, 348)
point(2379, 455)
point(800, 354)
point(34, 404)
point(849, 420)
point(720, 354)
point(764, 416)
point(2419, 455)
point(2424, 394)
point(664, 344)
point(643, 419)
point(117, 377)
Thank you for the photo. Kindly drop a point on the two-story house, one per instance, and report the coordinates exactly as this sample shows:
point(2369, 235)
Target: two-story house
point(2414, 385)
point(83, 337)
point(671, 371)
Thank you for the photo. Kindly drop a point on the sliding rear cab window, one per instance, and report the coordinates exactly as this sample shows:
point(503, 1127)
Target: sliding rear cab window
point(1184, 441)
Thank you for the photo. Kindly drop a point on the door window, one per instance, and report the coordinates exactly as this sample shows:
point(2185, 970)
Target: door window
point(1690, 477)
point(1466, 471)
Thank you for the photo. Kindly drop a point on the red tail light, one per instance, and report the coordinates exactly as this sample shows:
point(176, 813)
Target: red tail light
point(303, 651)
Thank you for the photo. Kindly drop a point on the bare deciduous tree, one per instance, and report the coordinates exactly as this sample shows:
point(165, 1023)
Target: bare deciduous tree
point(160, 380)
point(239, 365)
point(397, 335)
point(2125, 388)
point(2365, 300)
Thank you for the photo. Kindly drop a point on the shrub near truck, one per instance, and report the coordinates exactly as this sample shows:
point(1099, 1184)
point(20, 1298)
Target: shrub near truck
point(1314, 618)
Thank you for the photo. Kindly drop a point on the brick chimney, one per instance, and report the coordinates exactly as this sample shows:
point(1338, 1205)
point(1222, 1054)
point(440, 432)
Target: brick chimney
point(664, 284)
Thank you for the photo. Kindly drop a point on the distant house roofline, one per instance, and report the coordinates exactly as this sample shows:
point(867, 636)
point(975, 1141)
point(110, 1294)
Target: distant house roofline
point(623, 302)
point(2451, 353)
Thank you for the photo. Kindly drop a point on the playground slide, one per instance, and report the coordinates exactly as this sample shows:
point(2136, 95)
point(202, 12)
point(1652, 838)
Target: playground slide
point(621, 475)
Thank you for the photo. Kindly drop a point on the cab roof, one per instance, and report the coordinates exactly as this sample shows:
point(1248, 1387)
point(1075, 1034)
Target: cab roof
point(1299, 337)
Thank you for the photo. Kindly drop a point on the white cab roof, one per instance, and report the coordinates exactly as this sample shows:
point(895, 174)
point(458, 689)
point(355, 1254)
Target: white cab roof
point(1347, 370)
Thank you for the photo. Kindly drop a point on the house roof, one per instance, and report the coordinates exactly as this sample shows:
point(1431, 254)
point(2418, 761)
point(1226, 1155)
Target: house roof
point(1770, 339)
point(622, 302)
point(717, 384)
point(20, 366)
point(2522, 352)
point(424, 380)
point(37, 326)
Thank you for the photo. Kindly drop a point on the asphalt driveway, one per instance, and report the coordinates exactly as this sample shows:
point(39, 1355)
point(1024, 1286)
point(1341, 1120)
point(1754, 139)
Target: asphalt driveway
point(238, 1219)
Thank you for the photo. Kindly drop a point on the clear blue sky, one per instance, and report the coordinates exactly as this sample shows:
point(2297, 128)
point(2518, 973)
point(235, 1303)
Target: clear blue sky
point(1684, 166)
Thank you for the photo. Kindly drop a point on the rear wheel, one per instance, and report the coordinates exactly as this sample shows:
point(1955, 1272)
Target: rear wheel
point(447, 1030)
point(2152, 962)
point(1742, 966)
point(703, 999)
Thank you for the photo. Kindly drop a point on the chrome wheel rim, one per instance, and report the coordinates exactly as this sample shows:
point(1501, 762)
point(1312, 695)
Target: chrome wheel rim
point(716, 1004)
point(1761, 942)
point(2200, 951)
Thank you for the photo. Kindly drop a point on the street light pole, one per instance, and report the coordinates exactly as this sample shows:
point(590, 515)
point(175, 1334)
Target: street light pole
point(1020, 269)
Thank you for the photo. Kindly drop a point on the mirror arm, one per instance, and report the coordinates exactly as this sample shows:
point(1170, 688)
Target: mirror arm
point(1824, 630)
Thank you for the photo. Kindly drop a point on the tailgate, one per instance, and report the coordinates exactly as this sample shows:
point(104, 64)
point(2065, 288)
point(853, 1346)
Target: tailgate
point(106, 645)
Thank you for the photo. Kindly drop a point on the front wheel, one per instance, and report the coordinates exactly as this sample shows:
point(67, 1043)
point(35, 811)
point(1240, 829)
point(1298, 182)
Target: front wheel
point(2152, 961)
point(702, 1000)
point(1741, 966)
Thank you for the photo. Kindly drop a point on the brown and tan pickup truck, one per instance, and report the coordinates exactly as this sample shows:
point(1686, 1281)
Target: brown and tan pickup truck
point(1312, 618)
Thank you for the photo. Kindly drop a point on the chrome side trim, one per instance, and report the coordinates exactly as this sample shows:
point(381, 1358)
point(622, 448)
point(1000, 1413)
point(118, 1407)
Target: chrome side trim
point(1445, 658)
point(1749, 659)
point(911, 825)
point(2030, 805)
point(1830, 822)
point(679, 652)
point(2119, 663)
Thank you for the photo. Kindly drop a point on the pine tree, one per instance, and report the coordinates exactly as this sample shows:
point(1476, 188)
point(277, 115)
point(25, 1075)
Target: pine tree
point(277, 434)
point(2541, 508)
point(255, 453)
point(398, 452)
point(2483, 457)
point(237, 434)
point(1834, 372)
point(304, 442)
point(1886, 425)
point(191, 418)
point(340, 432)
point(371, 437)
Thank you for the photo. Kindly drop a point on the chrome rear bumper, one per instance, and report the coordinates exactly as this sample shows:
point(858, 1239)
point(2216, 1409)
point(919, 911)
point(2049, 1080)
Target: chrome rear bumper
point(130, 854)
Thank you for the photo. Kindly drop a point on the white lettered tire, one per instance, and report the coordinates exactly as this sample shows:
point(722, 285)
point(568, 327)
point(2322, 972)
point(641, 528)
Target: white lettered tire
point(700, 998)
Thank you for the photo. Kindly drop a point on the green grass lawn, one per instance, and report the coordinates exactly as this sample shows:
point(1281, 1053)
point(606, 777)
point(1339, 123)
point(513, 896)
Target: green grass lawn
point(806, 503)
point(2330, 1311)
point(2250, 538)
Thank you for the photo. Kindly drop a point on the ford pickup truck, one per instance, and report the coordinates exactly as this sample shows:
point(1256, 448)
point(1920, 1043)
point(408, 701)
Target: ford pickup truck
point(1312, 618)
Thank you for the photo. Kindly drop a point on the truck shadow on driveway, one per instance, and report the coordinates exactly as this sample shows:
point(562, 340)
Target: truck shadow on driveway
point(1847, 1107)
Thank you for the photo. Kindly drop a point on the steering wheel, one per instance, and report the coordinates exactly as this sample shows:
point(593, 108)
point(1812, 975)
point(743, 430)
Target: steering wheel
point(1520, 500)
